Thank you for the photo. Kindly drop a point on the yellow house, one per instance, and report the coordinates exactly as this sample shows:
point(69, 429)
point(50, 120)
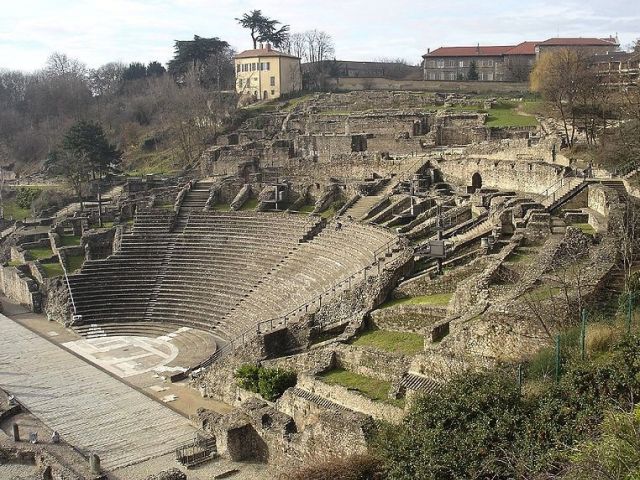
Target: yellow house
point(266, 73)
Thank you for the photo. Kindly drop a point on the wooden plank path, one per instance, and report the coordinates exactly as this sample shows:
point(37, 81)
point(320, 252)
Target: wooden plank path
point(90, 409)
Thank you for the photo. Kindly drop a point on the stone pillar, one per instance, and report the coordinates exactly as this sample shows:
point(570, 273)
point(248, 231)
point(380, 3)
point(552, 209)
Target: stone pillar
point(94, 463)
point(16, 432)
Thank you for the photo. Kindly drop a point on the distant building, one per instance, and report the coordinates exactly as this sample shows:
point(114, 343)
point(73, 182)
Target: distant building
point(265, 73)
point(507, 63)
point(618, 68)
point(588, 45)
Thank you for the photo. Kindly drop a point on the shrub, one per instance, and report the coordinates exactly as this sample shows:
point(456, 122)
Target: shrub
point(248, 376)
point(270, 383)
point(273, 382)
point(25, 196)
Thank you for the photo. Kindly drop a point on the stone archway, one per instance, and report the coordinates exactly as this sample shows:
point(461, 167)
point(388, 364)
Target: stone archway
point(476, 181)
point(265, 95)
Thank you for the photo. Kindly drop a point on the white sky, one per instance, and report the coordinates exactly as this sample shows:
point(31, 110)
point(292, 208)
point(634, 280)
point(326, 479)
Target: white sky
point(99, 31)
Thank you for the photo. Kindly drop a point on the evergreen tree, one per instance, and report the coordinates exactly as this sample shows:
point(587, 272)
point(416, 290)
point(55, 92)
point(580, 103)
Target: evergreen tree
point(472, 74)
point(264, 29)
point(194, 53)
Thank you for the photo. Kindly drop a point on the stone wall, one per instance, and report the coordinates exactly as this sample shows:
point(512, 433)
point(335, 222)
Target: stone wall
point(19, 287)
point(351, 399)
point(425, 85)
point(408, 318)
point(530, 177)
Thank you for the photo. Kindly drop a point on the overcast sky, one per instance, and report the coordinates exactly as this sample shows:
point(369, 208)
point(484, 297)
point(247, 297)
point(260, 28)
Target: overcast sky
point(99, 31)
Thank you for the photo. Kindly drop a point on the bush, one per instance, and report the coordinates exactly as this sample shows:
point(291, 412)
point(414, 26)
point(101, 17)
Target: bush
point(25, 196)
point(479, 426)
point(270, 383)
point(354, 467)
point(248, 376)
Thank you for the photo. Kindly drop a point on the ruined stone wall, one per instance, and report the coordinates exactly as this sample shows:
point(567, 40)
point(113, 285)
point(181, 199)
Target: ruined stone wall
point(351, 399)
point(370, 362)
point(19, 287)
point(376, 123)
point(355, 83)
point(530, 177)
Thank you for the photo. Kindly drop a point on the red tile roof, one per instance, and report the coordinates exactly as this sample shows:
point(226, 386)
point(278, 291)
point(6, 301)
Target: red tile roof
point(263, 52)
point(477, 51)
point(585, 42)
point(524, 48)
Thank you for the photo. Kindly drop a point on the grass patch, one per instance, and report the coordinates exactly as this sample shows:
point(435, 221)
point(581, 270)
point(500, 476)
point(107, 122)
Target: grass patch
point(40, 253)
point(69, 240)
point(12, 210)
point(376, 390)
point(585, 228)
point(505, 115)
point(107, 224)
point(306, 208)
point(543, 292)
point(14, 263)
point(74, 262)
point(521, 257)
point(329, 212)
point(397, 342)
point(220, 207)
point(52, 269)
point(250, 204)
point(438, 299)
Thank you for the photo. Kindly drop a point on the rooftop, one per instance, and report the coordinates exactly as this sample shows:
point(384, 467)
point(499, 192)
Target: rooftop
point(524, 48)
point(477, 51)
point(263, 52)
point(580, 41)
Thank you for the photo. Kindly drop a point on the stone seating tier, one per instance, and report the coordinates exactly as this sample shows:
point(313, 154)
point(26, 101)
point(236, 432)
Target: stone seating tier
point(224, 272)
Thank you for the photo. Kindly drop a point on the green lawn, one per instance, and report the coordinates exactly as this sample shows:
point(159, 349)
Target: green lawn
point(438, 299)
point(74, 262)
point(69, 240)
point(397, 342)
point(250, 204)
point(52, 269)
point(329, 212)
point(40, 253)
point(507, 116)
point(372, 388)
point(14, 263)
point(521, 257)
point(585, 227)
point(12, 210)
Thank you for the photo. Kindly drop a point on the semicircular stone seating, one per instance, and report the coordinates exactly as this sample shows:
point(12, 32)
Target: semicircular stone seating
point(222, 272)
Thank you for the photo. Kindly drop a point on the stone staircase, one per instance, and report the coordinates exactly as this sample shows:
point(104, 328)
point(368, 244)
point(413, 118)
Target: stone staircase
point(361, 208)
point(418, 383)
point(193, 202)
point(483, 228)
point(568, 189)
point(318, 400)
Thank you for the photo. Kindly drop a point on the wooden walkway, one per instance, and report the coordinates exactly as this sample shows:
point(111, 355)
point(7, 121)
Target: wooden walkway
point(90, 409)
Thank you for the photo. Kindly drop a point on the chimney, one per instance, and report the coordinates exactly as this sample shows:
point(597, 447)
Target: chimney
point(268, 47)
point(428, 50)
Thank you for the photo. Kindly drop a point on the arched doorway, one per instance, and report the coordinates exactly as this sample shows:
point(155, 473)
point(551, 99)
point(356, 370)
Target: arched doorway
point(265, 95)
point(476, 181)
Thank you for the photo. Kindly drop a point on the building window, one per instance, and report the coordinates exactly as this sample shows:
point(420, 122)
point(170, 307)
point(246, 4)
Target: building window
point(461, 63)
point(440, 63)
point(431, 64)
point(452, 63)
point(489, 63)
point(432, 75)
point(441, 75)
point(452, 76)
point(273, 92)
point(272, 81)
point(490, 76)
point(268, 65)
